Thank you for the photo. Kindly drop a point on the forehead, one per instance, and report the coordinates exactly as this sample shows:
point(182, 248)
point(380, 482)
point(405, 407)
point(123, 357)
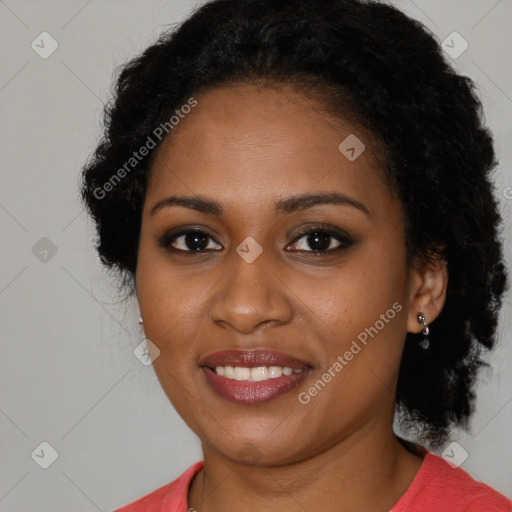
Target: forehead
point(251, 142)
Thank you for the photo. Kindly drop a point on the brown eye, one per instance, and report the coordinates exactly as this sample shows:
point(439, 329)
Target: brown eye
point(190, 241)
point(321, 240)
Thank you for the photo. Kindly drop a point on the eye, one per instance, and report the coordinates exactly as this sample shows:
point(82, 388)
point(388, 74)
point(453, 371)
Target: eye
point(322, 240)
point(316, 240)
point(191, 240)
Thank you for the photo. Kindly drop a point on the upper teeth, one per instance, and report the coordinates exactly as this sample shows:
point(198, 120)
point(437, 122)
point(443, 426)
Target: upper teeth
point(254, 374)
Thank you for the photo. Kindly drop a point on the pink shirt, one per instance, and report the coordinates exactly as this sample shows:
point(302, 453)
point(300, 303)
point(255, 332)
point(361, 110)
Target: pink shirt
point(437, 487)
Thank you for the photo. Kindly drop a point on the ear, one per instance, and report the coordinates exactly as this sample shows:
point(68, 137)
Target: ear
point(427, 291)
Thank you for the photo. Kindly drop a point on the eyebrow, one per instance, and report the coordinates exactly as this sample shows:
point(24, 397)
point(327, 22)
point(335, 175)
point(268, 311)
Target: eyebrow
point(284, 206)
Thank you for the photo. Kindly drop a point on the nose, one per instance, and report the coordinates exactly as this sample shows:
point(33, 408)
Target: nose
point(252, 295)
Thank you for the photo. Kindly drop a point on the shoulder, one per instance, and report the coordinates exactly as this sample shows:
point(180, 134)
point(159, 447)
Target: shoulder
point(443, 487)
point(171, 497)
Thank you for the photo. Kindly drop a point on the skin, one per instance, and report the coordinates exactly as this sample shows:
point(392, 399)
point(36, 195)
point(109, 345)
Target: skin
point(247, 148)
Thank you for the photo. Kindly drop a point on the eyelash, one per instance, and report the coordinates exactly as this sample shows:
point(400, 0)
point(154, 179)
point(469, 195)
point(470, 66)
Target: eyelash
point(345, 240)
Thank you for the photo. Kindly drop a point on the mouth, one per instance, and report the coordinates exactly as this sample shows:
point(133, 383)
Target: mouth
point(255, 376)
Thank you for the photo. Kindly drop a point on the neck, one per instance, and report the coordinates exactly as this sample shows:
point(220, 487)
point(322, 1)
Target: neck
point(367, 471)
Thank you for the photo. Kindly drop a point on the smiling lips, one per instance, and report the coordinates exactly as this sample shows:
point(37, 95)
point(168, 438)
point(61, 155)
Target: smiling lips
point(253, 376)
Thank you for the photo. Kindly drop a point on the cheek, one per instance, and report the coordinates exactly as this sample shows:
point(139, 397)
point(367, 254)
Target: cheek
point(363, 312)
point(169, 302)
point(354, 297)
point(170, 305)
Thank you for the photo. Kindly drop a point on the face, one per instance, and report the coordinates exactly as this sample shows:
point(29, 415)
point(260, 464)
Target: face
point(259, 269)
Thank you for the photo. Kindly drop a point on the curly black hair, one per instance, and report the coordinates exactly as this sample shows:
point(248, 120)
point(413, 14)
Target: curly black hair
point(371, 64)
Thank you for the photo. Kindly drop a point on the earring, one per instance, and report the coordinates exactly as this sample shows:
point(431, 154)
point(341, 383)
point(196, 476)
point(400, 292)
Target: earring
point(141, 327)
point(425, 342)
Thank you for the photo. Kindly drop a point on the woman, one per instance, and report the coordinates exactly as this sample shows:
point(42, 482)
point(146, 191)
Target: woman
point(299, 195)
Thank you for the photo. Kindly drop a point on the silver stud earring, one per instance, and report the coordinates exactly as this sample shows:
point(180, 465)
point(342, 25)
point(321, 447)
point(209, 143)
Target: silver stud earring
point(141, 327)
point(425, 342)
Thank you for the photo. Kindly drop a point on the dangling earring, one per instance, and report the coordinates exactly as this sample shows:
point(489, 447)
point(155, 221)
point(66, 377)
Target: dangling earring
point(140, 320)
point(425, 342)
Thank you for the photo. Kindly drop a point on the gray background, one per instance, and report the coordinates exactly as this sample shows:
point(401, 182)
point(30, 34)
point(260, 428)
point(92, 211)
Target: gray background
point(68, 373)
